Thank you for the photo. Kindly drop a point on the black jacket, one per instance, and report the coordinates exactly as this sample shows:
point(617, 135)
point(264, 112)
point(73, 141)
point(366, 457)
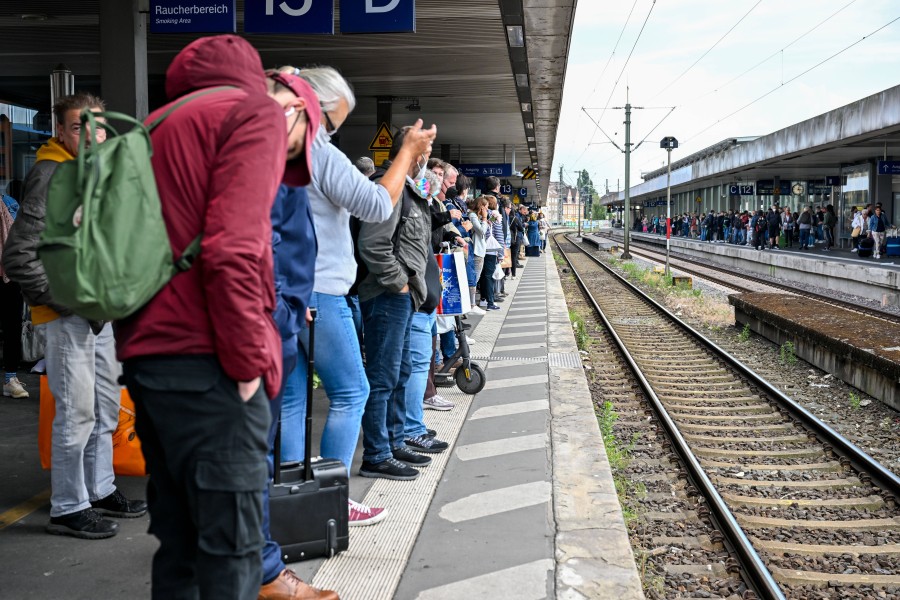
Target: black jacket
point(518, 230)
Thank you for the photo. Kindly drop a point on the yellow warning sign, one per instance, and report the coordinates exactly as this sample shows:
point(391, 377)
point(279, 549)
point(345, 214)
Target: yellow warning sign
point(383, 139)
point(379, 156)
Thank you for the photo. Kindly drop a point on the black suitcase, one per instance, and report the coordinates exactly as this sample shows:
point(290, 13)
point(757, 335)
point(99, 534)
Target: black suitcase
point(308, 502)
point(866, 246)
point(532, 251)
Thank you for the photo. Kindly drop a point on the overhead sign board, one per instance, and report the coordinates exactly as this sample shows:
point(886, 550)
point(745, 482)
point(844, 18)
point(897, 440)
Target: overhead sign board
point(529, 173)
point(378, 16)
point(506, 189)
point(834, 180)
point(767, 188)
point(889, 167)
point(740, 189)
point(192, 16)
point(289, 16)
point(522, 192)
point(486, 170)
point(818, 189)
point(383, 139)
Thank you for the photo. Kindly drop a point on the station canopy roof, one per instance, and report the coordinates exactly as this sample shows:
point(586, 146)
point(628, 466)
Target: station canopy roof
point(860, 132)
point(460, 66)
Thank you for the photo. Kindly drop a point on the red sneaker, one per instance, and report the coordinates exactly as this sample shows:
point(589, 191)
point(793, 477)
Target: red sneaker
point(362, 515)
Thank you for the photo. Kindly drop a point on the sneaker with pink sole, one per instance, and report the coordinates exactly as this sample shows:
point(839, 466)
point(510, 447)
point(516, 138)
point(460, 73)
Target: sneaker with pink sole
point(362, 515)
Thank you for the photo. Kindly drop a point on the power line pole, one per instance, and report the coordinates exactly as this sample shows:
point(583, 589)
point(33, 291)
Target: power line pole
point(562, 199)
point(625, 254)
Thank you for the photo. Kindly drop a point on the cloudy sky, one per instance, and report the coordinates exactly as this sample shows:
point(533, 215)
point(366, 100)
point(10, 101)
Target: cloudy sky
point(710, 59)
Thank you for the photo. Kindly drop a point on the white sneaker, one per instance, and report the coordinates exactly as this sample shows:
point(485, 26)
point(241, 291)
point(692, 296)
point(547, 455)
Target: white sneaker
point(483, 304)
point(477, 311)
point(362, 515)
point(437, 403)
point(469, 340)
point(854, 250)
point(15, 389)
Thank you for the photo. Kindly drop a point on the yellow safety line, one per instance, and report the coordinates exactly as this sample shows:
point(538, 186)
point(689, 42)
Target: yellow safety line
point(21, 511)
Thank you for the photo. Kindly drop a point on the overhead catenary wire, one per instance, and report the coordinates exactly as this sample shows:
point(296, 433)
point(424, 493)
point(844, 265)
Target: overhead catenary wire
point(773, 55)
point(627, 60)
point(719, 41)
point(603, 72)
point(794, 78)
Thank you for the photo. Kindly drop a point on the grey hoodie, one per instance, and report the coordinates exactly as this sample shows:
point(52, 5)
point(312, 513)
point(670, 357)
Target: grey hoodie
point(338, 190)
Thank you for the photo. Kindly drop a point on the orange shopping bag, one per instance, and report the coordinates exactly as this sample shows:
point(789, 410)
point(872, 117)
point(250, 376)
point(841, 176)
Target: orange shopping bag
point(127, 456)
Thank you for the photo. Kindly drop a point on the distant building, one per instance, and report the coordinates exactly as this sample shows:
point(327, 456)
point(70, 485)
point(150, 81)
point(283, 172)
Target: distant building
point(563, 202)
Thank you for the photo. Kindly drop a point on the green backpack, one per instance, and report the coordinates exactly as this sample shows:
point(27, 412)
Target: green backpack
point(105, 247)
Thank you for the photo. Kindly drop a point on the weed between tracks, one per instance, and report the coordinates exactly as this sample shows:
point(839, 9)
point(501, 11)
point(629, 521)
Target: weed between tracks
point(619, 455)
point(581, 337)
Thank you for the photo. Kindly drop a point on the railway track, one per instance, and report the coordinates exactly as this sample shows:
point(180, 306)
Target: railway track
point(729, 279)
point(805, 512)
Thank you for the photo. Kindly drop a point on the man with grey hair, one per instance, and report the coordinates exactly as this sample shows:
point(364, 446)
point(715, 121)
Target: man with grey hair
point(365, 165)
point(337, 191)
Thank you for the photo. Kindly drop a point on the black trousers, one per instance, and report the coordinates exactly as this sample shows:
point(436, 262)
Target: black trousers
point(514, 254)
point(206, 454)
point(11, 307)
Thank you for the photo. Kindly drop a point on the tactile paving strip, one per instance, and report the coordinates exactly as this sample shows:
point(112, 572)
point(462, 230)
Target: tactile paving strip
point(372, 567)
point(565, 360)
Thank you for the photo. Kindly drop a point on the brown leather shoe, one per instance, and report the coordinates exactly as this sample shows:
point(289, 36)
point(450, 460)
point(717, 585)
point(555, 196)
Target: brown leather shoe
point(287, 586)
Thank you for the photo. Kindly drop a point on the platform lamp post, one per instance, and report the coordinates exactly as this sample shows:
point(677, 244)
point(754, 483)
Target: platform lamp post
point(668, 143)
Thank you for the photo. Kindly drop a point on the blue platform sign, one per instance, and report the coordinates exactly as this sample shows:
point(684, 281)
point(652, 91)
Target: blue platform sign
point(835, 180)
point(523, 192)
point(486, 170)
point(192, 16)
point(889, 167)
point(738, 189)
point(289, 16)
point(378, 16)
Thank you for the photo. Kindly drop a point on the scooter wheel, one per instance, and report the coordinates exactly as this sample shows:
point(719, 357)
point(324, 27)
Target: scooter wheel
point(471, 380)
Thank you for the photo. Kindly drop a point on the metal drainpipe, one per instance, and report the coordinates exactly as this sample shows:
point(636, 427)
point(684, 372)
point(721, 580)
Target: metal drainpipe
point(62, 83)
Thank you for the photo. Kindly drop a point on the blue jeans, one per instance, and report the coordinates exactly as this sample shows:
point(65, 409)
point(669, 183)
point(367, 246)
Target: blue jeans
point(83, 375)
point(420, 336)
point(272, 565)
point(804, 237)
point(339, 366)
point(448, 344)
point(387, 319)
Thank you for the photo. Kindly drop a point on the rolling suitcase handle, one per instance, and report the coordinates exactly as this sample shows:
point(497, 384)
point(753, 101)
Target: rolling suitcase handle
point(307, 442)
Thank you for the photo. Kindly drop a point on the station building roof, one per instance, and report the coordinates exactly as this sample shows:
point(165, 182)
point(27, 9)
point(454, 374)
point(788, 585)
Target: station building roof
point(463, 67)
point(813, 149)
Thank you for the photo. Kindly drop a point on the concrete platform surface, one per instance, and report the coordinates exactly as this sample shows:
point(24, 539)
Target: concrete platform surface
point(522, 506)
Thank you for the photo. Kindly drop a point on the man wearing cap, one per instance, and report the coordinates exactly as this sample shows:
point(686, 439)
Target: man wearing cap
point(203, 357)
point(294, 247)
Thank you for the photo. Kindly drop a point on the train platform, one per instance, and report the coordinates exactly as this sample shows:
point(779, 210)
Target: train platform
point(522, 506)
point(838, 269)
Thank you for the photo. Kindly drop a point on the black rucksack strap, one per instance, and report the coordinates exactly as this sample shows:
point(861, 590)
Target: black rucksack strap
point(190, 254)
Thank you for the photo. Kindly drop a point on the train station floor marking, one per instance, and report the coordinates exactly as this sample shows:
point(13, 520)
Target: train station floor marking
point(519, 325)
point(520, 347)
point(519, 302)
point(505, 410)
point(500, 447)
point(494, 502)
point(521, 334)
point(532, 316)
point(522, 582)
point(24, 509)
point(502, 384)
point(528, 309)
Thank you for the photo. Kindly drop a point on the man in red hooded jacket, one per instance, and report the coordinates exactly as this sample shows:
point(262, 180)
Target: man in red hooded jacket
point(203, 357)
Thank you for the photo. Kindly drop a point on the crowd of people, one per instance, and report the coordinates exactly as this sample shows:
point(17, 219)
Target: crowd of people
point(293, 233)
point(779, 227)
